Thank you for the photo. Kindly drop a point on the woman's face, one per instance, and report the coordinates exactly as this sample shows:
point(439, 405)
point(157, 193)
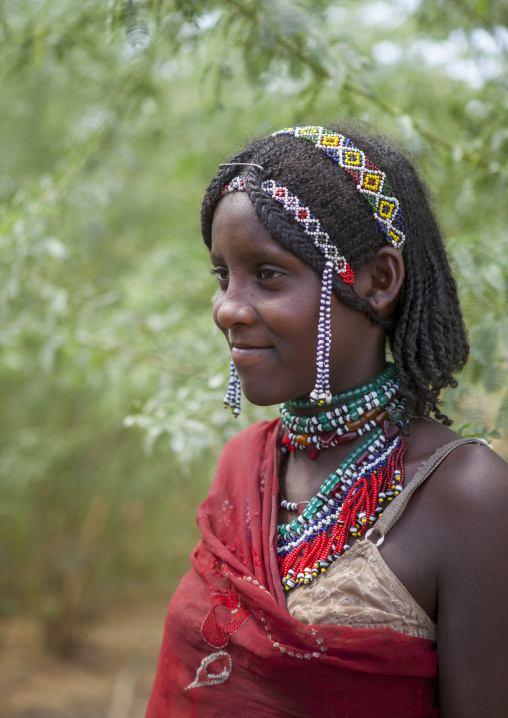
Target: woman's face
point(267, 306)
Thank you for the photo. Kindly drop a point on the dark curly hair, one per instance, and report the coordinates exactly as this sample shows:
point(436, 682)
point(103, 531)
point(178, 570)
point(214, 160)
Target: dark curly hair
point(427, 336)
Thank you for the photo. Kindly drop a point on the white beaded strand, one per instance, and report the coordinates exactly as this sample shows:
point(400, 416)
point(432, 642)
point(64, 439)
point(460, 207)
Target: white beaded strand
point(321, 392)
point(233, 398)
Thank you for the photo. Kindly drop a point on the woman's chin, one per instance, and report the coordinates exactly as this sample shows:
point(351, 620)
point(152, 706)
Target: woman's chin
point(258, 400)
point(269, 398)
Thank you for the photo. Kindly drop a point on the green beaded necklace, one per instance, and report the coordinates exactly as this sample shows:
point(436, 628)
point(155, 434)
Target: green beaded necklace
point(352, 397)
point(373, 442)
point(356, 412)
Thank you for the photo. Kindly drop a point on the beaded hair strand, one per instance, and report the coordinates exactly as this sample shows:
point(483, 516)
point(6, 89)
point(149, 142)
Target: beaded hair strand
point(426, 334)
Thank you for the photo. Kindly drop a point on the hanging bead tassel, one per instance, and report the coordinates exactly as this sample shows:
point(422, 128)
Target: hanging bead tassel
point(321, 392)
point(233, 398)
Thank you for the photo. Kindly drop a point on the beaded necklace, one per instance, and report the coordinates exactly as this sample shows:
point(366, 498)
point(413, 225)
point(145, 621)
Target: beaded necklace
point(354, 496)
point(346, 503)
point(352, 394)
point(355, 413)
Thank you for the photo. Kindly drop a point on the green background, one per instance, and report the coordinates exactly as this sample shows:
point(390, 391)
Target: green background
point(114, 117)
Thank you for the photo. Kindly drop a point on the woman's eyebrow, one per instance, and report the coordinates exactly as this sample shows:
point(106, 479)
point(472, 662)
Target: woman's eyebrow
point(260, 255)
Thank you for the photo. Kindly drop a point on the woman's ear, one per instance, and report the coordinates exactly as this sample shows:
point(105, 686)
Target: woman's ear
point(380, 281)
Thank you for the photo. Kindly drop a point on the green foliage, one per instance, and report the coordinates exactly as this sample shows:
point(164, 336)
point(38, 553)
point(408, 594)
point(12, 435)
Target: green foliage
point(114, 118)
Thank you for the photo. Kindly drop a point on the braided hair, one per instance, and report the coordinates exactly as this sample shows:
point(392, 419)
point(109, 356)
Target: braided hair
point(426, 334)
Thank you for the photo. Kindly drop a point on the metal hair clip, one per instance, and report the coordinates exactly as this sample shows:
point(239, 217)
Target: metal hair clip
point(249, 164)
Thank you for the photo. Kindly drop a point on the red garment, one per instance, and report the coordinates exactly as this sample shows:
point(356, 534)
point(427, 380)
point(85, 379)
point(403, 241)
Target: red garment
point(231, 648)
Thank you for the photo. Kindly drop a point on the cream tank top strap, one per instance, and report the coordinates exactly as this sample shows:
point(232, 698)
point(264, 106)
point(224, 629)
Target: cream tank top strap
point(393, 512)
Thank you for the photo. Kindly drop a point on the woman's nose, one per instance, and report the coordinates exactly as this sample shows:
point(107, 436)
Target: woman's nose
point(233, 306)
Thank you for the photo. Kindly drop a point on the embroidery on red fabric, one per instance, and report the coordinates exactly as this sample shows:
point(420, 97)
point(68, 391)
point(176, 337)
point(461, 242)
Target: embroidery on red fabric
point(217, 634)
point(203, 678)
point(216, 629)
point(290, 653)
point(225, 512)
point(262, 483)
point(218, 569)
point(403, 639)
point(257, 560)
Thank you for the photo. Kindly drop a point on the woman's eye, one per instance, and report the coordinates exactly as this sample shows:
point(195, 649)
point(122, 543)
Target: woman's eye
point(221, 273)
point(266, 273)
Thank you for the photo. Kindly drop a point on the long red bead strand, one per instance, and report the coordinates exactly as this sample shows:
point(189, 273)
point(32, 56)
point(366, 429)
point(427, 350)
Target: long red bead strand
point(362, 505)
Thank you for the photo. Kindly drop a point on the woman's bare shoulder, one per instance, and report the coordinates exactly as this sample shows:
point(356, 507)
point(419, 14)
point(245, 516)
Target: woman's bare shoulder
point(470, 497)
point(472, 482)
point(471, 472)
point(464, 502)
point(464, 507)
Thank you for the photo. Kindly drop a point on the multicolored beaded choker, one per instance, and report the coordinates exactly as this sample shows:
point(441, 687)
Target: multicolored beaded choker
point(351, 414)
point(347, 503)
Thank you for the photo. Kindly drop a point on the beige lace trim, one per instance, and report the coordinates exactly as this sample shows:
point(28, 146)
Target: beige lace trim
point(360, 591)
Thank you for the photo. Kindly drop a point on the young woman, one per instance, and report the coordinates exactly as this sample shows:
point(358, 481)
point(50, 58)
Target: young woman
point(352, 553)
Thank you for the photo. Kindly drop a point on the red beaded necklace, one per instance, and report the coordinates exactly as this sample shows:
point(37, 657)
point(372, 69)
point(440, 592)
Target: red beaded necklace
point(349, 501)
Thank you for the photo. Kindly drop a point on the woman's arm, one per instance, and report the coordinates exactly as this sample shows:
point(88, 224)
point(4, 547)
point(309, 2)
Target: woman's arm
point(473, 587)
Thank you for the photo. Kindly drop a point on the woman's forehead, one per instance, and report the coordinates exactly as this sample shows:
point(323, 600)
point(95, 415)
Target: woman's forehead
point(235, 213)
point(235, 220)
point(233, 205)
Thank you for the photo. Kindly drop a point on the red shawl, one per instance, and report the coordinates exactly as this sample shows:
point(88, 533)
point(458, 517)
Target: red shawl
point(230, 646)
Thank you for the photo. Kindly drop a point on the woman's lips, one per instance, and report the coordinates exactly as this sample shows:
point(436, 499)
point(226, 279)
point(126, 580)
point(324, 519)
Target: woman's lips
point(243, 352)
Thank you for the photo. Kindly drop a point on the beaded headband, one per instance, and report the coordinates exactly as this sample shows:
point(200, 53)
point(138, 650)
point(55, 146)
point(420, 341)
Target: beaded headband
point(302, 214)
point(371, 182)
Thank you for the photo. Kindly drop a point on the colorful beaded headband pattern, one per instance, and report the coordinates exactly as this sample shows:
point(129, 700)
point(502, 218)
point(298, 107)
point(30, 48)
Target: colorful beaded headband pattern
point(371, 182)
